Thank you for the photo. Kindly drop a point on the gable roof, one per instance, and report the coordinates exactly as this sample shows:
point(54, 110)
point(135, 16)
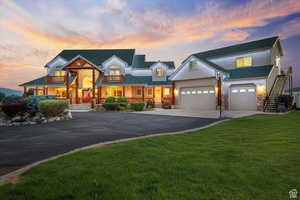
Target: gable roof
point(244, 47)
point(249, 72)
point(139, 62)
point(97, 56)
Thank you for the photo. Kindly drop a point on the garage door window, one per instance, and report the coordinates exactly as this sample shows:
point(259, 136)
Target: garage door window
point(205, 91)
point(199, 92)
point(193, 92)
point(188, 92)
point(183, 92)
point(242, 90)
point(251, 90)
point(211, 92)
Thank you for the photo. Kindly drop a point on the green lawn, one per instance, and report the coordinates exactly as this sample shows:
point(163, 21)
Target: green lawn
point(254, 157)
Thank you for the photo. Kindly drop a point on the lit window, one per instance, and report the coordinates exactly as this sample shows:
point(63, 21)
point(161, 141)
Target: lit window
point(242, 90)
point(244, 61)
point(193, 65)
point(199, 92)
point(114, 72)
point(59, 73)
point(193, 92)
point(183, 92)
point(211, 92)
point(139, 91)
point(205, 92)
point(234, 91)
point(188, 92)
point(113, 92)
point(149, 91)
point(160, 72)
point(167, 91)
point(251, 90)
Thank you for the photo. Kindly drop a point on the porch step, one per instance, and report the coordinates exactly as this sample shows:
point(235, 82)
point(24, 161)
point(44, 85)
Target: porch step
point(80, 107)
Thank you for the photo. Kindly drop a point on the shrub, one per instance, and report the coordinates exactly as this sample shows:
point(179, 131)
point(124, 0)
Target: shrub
point(137, 106)
point(111, 106)
point(166, 106)
point(123, 101)
point(2, 115)
point(13, 109)
point(12, 99)
point(52, 108)
point(2, 96)
point(287, 100)
point(110, 100)
point(149, 104)
point(32, 103)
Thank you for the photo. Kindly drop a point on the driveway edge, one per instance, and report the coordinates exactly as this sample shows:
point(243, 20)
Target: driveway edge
point(13, 177)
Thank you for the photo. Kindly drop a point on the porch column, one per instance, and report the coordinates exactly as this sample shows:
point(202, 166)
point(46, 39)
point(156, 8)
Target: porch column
point(93, 83)
point(44, 90)
point(173, 93)
point(123, 91)
point(67, 85)
point(143, 91)
point(153, 93)
point(25, 91)
point(36, 91)
point(161, 93)
point(99, 94)
point(76, 91)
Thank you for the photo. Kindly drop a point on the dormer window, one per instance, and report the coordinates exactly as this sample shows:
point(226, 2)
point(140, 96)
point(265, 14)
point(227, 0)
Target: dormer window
point(244, 61)
point(59, 73)
point(193, 65)
point(114, 70)
point(160, 72)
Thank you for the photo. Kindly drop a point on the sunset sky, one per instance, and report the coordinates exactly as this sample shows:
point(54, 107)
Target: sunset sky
point(32, 32)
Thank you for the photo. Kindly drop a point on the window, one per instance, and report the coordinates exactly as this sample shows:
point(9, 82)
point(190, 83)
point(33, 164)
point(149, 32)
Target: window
point(234, 91)
point(114, 70)
point(183, 92)
point(139, 91)
point(242, 90)
point(251, 90)
point(188, 92)
point(193, 92)
point(113, 92)
point(199, 92)
point(193, 65)
point(167, 91)
point(149, 92)
point(59, 73)
point(205, 91)
point(211, 92)
point(244, 61)
point(160, 72)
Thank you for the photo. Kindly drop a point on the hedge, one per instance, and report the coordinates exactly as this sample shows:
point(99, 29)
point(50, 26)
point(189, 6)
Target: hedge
point(137, 106)
point(52, 108)
point(13, 109)
point(111, 106)
point(149, 104)
point(110, 100)
point(166, 106)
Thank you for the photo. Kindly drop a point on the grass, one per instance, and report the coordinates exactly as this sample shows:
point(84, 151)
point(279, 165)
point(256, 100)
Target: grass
point(254, 157)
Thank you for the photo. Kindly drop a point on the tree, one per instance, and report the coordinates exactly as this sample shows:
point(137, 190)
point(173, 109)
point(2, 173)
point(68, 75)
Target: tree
point(2, 96)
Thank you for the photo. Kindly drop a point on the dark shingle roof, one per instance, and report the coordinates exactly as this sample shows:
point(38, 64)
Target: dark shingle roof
point(244, 47)
point(98, 56)
point(249, 72)
point(139, 62)
point(42, 81)
point(136, 80)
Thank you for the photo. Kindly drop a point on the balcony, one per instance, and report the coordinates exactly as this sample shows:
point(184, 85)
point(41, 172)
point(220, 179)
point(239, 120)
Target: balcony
point(56, 79)
point(113, 78)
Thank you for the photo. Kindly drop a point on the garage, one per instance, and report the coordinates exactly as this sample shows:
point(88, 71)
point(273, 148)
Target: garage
point(200, 98)
point(243, 98)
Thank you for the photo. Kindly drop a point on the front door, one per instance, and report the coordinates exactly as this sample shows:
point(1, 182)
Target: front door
point(157, 93)
point(86, 96)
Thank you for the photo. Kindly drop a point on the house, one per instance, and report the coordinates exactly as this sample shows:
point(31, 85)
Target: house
point(84, 75)
point(247, 76)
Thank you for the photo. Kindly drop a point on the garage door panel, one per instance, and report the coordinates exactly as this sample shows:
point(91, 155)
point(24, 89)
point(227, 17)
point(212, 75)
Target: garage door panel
point(200, 98)
point(243, 98)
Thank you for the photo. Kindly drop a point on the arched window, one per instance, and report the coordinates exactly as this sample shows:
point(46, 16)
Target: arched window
point(160, 72)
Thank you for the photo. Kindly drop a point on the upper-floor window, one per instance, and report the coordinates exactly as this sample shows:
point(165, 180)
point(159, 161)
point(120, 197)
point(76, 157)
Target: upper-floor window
point(244, 61)
point(193, 65)
point(60, 73)
point(160, 72)
point(114, 70)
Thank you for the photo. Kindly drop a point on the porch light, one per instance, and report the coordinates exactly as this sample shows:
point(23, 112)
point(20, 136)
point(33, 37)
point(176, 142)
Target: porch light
point(176, 92)
point(260, 89)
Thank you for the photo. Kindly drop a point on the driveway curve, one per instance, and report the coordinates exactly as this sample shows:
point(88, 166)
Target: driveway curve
point(23, 145)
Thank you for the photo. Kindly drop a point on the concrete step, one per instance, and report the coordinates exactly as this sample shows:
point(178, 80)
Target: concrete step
point(80, 107)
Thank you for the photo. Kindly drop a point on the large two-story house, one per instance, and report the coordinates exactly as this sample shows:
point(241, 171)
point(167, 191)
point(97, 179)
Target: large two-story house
point(84, 75)
point(246, 76)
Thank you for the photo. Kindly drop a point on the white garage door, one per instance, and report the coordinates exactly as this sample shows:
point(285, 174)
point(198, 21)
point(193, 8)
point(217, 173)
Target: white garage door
point(243, 98)
point(200, 98)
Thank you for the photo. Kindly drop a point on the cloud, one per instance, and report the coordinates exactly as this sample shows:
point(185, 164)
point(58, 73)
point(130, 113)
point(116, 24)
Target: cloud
point(289, 29)
point(236, 35)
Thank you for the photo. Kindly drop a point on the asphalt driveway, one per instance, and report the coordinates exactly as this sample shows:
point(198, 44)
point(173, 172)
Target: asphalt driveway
point(20, 146)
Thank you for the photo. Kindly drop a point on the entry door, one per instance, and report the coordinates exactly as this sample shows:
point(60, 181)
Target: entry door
point(157, 93)
point(243, 98)
point(198, 98)
point(86, 96)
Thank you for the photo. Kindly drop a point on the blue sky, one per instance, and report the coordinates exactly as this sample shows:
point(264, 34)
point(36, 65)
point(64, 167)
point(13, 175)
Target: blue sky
point(32, 32)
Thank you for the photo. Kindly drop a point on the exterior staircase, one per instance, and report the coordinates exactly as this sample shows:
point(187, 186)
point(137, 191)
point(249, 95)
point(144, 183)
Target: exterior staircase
point(80, 107)
point(272, 100)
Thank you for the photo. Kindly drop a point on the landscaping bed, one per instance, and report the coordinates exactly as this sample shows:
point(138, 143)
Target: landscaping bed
point(17, 110)
point(254, 157)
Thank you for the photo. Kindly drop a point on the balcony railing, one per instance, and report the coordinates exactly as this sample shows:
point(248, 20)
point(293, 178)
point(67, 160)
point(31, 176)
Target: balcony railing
point(113, 78)
point(56, 78)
